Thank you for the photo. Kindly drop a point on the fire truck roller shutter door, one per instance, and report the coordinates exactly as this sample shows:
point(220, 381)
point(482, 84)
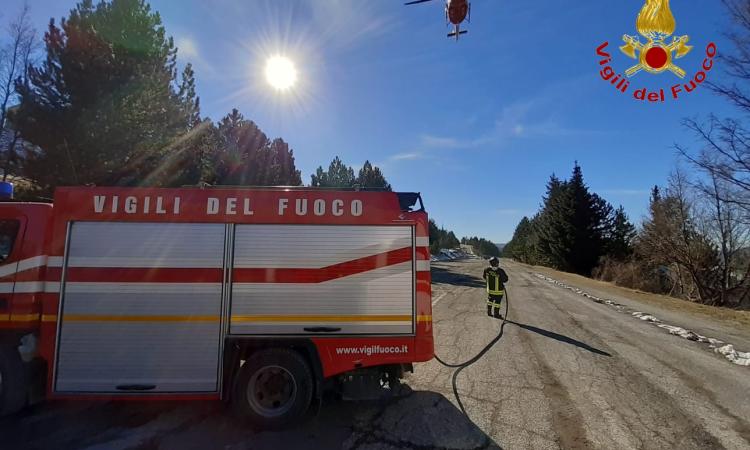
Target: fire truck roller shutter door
point(296, 279)
point(141, 308)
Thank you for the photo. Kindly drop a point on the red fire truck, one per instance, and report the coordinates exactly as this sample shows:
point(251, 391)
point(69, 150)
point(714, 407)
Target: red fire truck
point(262, 297)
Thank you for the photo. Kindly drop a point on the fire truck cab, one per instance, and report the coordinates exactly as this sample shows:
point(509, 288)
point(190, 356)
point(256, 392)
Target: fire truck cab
point(261, 297)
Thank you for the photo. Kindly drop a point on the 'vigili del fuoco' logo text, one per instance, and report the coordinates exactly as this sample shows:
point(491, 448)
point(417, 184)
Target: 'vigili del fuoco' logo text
point(656, 55)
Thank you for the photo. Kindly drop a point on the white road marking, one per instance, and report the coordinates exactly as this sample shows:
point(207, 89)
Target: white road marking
point(439, 297)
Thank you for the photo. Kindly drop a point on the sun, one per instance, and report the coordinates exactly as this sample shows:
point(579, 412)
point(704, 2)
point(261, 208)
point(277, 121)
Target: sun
point(281, 73)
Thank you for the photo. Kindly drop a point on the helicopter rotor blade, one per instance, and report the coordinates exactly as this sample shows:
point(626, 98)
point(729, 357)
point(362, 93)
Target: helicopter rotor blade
point(417, 1)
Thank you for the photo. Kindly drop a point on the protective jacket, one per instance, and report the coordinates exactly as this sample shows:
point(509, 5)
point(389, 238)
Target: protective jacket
point(495, 278)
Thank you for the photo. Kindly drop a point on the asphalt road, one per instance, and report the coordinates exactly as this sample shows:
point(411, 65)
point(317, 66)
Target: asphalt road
point(567, 373)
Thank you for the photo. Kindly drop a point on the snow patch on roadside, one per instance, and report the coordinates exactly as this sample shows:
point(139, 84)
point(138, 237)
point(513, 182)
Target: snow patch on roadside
point(603, 301)
point(685, 334)
point(718, 346)
point(646, 317)
point(740, 358)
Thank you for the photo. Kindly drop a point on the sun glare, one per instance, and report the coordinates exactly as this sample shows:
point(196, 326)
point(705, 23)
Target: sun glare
point(280, 72)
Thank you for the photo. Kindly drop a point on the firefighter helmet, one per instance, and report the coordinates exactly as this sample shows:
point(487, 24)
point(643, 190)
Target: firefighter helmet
point(494, 262)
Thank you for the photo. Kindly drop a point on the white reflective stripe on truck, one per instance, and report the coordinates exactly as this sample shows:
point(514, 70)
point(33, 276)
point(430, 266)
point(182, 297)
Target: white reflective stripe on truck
point(23, 287)
point(8, 269)
point(34, 262)
point(55, 261)
point(25, 264)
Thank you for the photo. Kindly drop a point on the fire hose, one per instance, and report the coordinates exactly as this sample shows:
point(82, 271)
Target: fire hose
point(461, 366)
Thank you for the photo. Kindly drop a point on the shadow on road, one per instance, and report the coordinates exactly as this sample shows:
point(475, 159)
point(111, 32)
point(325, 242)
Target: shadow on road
point(422, 419)
point(444, 276)
point(419, 419)
point(560, 337)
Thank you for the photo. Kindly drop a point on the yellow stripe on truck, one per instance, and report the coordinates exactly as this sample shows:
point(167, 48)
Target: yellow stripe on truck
point(421, 319)
point(19, 317)
point(313, 319)
point(101, 318)
point(24, 317)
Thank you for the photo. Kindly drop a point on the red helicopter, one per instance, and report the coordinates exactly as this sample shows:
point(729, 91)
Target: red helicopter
point(455, 13)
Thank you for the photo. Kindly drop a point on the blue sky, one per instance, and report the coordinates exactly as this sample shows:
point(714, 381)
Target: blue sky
point(476, 125)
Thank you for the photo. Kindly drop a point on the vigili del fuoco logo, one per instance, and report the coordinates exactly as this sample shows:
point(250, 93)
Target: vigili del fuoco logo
point(656, 55)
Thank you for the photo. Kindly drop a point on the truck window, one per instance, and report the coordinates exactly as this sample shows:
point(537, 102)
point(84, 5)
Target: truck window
point(8, 233)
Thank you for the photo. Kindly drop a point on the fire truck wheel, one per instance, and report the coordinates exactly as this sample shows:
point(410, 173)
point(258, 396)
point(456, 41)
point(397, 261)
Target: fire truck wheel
point(12, 381)
point(274, 387)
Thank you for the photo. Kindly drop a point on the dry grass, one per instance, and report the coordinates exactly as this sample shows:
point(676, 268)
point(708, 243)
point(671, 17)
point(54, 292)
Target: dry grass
point(729, 316)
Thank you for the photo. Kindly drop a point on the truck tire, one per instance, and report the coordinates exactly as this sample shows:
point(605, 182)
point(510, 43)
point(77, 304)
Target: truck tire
point(12, 381)
point(274, 387)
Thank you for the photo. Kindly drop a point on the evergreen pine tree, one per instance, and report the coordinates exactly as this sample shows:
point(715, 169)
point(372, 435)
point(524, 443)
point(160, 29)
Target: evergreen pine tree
point(553, 227)
point(246, 157)
point(655, 196)
point(620, 238)
point(105, 106)
point(190, 101)
point(573, 225)
point(371, 177)
point(338, 175)
point(520, 246)
point(591, 224)
point(451, 241)
point(434, 233)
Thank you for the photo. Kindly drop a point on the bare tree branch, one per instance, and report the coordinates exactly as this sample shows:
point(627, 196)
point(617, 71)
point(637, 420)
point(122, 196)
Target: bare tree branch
point(16, 59)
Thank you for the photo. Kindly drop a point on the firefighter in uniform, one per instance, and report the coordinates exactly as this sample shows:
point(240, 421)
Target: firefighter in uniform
point(494, 277)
